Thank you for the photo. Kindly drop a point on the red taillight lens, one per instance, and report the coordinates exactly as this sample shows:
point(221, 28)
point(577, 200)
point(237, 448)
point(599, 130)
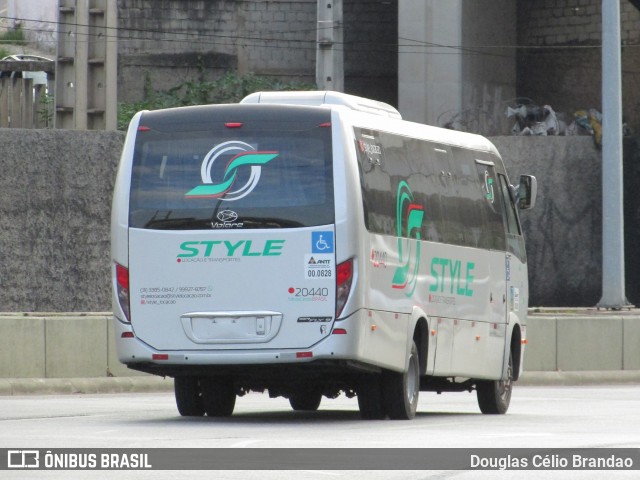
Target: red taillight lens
point(122, 289)
point(344, 278)
point(122, 276)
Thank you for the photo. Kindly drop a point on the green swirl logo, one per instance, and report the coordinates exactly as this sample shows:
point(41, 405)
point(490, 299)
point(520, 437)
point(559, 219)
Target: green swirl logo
point(409, 216)
point(243, 155)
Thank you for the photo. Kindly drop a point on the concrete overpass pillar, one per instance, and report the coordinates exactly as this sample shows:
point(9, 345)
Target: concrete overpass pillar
point(429, 59)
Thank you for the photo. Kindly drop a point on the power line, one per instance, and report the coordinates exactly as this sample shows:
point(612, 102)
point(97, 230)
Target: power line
point(410, 46)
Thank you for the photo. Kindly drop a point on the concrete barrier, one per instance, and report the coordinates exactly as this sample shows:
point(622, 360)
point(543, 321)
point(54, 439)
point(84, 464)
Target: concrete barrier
point(67, 353)
point(59, 345)
point(583, 340)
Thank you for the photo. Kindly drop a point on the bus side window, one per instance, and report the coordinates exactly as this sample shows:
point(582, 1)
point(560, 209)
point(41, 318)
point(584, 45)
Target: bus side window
point(491, 205)
point(515, 242)
point(513, 227)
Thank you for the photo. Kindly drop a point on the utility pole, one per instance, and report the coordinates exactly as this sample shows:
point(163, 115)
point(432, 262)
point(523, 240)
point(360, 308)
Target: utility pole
point(613, 275)
point(86, 65)
point(330, 46)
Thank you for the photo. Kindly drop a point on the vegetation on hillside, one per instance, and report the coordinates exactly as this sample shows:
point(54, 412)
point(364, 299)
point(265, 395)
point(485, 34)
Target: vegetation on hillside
point(230, 88)
point(14, 36)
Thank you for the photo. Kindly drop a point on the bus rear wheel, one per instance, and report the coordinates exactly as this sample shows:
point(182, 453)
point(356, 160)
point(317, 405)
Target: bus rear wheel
point(370, 399)
point(188, 398)
point(401, 390)
point(306, 401)
point(218, 396)
point(494, 396)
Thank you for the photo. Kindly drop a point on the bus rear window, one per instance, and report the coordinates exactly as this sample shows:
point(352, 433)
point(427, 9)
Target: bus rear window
point(246, 174)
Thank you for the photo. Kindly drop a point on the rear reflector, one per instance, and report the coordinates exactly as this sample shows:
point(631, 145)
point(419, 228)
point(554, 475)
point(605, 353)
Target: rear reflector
point(160, 356)
point(127, 335)
point(233, 125)
point(339, 331)
point(142, 128)
point(304, 354)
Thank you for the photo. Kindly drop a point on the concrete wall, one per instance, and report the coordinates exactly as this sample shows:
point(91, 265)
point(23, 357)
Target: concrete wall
point(38, 20)
point(563, 232)
point(558, 22)
point(489, 74)
point(429, 75)
point(174, 41)
point(55, 205)
point(55, 200)
point(370, 49)
point(569, 78)
point(456, 63)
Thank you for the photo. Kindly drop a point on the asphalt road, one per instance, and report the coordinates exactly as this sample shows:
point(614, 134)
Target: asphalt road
point(539, 417)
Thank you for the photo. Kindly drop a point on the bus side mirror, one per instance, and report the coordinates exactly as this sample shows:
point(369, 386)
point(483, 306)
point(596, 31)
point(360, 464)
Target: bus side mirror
point(527, 192)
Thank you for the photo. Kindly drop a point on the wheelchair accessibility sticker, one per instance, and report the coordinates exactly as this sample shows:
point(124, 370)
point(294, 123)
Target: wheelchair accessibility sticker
point(322, 242)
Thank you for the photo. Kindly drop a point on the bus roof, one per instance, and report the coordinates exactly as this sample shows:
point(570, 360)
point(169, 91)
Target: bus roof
point(320, 98)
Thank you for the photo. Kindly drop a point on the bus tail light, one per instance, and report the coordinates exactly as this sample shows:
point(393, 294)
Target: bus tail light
point(344, 278)
point(122, 289)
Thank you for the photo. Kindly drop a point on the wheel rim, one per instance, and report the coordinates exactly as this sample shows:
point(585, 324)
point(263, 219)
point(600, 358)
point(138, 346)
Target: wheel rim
point(412, 380)
point(503, 387)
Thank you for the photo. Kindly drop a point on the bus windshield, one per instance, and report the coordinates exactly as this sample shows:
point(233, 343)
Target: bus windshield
point(249, 173)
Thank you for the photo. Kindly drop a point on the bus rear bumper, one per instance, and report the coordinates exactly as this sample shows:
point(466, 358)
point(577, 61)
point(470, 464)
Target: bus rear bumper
point(349, 343)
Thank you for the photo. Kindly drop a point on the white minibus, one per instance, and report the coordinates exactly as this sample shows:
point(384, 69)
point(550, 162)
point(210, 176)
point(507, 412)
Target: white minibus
point(312, 244)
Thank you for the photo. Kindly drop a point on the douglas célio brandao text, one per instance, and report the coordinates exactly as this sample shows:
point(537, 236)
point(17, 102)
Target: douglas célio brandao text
point(580, 460)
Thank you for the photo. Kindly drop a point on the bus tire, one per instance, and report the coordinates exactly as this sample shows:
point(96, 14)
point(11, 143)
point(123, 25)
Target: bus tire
point(218, 396)
point(401, 390)
point(370, 401)
point(188, 398)
point(494, 396)
point(308, 401)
